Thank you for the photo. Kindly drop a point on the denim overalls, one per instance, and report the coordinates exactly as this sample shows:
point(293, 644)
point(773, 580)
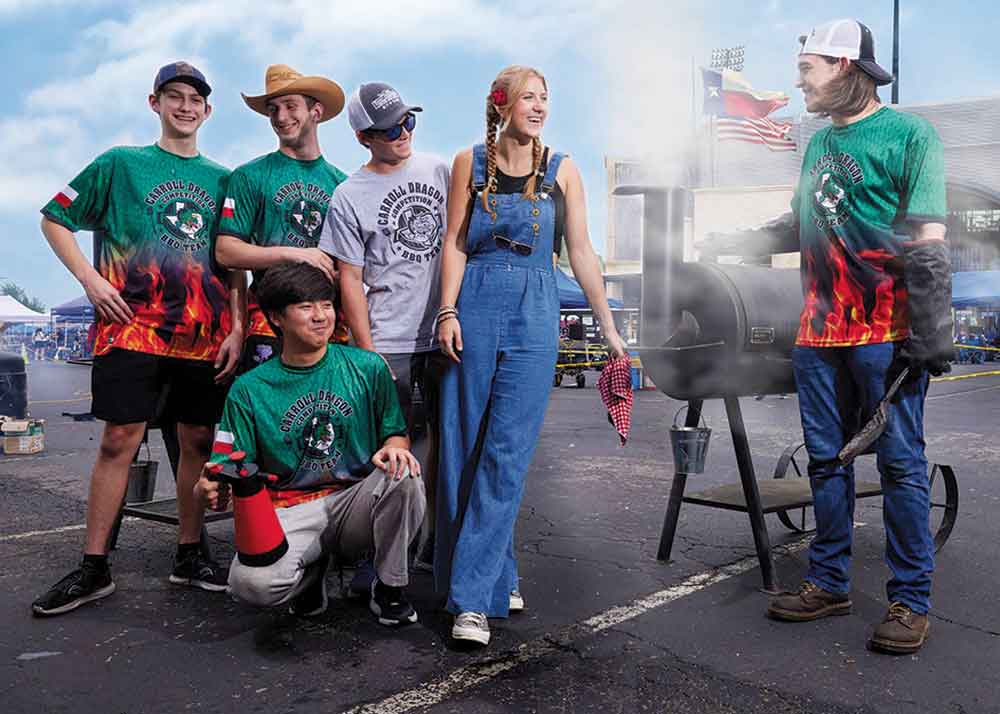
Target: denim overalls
point(493, 403)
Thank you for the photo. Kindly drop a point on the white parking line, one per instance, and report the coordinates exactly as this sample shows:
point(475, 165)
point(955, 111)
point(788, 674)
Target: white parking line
point(476, 673)
point(53, 531)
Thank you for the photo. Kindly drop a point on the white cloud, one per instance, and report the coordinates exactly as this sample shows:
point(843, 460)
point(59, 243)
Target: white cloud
point(19, 7)
point(65, 122)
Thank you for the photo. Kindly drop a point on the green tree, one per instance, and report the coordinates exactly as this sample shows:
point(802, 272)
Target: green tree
point(18, 293)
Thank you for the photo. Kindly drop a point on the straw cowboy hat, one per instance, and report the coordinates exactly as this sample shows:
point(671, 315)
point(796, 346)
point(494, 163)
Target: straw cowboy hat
point(280, 79)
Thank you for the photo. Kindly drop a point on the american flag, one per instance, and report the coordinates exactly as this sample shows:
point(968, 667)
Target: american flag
point(773, 135)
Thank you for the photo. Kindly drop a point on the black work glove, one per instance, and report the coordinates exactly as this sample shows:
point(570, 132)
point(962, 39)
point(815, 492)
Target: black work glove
point(927, 269)
point(779, 235)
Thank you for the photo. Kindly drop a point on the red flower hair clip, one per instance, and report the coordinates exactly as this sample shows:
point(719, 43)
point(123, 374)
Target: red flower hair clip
point(499, 97)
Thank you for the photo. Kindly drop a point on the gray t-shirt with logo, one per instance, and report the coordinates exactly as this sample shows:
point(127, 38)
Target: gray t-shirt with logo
point(392, 226)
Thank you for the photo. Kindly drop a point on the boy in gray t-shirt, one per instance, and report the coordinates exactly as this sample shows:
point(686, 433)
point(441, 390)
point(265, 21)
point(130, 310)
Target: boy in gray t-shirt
point(384, 226)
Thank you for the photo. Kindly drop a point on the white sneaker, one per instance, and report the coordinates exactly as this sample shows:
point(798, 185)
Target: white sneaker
point(516, 601)
point(472, 627)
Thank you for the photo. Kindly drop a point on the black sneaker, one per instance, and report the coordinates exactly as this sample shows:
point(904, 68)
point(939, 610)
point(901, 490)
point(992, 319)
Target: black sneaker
point(390, 605)
point(197, 571)
point(424, 561)
point(361, 583)
point(312, 601)
point(86, 584)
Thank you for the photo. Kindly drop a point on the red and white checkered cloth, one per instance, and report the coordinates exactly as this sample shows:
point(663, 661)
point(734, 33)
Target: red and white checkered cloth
point(615, 386)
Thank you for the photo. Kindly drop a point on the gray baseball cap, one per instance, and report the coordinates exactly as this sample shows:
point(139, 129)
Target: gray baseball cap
point(376, 105)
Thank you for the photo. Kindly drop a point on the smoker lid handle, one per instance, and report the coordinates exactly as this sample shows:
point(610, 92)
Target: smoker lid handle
point(637, 189)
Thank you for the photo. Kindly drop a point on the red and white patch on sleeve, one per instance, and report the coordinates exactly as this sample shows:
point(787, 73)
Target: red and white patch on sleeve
point(223, 443)
point(65, 197)
point(229, 208)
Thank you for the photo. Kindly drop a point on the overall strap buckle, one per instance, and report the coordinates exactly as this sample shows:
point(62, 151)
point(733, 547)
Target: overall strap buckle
point(478, 167)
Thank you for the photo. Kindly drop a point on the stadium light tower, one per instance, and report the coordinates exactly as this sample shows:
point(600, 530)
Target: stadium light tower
point(729, 58)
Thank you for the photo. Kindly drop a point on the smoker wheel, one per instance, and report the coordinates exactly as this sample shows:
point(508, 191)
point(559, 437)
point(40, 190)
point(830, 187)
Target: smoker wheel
point(799, 520)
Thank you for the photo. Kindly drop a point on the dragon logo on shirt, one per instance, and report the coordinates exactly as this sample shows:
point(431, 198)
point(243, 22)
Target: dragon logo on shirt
point(833, 179)
point(183, 213)
point(316, 423)
point(318, 436)
point(830, 193)
point(183, 219)
point(418, 228)
point(410, 216)
point(306, 218)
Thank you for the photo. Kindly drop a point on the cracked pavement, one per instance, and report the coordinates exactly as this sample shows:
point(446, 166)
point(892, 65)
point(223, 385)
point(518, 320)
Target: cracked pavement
point(587, 539)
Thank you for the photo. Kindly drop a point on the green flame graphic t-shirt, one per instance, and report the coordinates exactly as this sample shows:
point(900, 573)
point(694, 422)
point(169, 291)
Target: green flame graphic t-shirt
point(276, 200)
point(863, 186)
point(314, 427)
point(153, 214)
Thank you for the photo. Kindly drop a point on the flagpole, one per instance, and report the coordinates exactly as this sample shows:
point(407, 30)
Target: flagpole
point(712, 140)
point(694, 126)
point(694, 159)
point(895, 51)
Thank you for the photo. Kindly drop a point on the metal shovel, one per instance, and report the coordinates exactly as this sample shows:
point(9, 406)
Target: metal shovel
point(875, 427)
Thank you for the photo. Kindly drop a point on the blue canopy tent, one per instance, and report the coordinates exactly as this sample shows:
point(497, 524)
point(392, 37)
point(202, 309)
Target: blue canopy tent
point(78, 310)
point(979, 288)
point(571, 294)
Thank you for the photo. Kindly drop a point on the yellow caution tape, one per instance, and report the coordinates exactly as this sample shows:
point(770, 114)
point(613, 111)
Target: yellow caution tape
point(991, 373)
point(976, 347)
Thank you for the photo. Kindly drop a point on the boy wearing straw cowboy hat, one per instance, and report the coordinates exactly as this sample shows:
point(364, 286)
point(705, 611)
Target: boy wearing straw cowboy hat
point(276, 203)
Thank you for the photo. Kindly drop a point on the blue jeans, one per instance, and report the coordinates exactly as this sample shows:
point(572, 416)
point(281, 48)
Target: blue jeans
point(834, 383)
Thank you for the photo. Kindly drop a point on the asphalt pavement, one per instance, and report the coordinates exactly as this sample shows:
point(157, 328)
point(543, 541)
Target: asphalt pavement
point(607, 627)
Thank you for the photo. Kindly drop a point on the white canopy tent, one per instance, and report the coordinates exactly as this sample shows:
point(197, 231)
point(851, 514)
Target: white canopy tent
point(13, 311)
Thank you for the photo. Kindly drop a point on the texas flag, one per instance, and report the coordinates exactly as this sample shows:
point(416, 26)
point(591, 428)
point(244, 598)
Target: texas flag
point(65, 197)
point(229, 208)
point(223, 442)
point(727, 93)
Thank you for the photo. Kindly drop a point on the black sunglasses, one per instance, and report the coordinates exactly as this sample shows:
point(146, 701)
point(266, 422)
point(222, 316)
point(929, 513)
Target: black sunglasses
point(394, 132)
point(519, 248)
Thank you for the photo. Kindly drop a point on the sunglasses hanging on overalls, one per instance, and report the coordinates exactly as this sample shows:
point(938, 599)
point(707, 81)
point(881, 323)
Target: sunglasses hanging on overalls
point(519, 248)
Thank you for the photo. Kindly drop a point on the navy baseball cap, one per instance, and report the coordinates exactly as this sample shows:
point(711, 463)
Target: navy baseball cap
point(182, 72)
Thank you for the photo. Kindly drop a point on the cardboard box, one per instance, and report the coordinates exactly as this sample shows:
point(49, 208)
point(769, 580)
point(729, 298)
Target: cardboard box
point(22, 436)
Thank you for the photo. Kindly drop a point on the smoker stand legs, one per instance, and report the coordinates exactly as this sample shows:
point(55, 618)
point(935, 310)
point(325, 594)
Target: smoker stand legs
point(676, 493)
point(748, 480)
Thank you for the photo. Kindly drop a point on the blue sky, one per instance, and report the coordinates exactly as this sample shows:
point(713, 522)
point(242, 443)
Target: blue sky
point(619, 75)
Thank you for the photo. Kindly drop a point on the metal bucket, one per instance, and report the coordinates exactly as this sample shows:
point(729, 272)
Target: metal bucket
point(690, 446)
point(141, 478)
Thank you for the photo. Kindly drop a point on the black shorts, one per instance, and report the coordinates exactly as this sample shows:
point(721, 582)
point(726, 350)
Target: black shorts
point(258, 349)
point(131, 387)
point(418, 383)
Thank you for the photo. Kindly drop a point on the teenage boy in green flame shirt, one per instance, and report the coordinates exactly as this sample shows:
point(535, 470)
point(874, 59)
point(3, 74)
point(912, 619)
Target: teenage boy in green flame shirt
point(275, 204)
point(166, 316)
point(324, 418)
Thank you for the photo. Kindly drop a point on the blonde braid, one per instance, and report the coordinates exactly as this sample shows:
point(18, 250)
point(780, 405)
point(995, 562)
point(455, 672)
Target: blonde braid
point(492, 125)
point(536, 161)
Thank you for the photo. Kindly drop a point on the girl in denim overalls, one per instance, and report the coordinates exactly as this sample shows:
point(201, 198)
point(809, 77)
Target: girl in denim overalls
point(499, 322)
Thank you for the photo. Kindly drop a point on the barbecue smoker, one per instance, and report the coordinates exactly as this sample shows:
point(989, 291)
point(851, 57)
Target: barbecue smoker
point(720, 331)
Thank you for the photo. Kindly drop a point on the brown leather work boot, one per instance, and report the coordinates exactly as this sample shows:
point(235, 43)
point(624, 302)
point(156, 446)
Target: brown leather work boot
point(901, 632)
point(811, 602)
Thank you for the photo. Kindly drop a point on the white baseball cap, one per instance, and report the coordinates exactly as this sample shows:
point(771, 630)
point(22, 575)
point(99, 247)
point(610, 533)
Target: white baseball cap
point(846, 38)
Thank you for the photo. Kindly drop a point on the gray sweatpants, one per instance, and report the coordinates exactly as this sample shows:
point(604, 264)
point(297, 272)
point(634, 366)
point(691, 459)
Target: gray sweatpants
point(377, 515)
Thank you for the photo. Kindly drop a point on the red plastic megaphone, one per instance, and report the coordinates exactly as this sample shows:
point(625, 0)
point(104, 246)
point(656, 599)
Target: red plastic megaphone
point(260, 539)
